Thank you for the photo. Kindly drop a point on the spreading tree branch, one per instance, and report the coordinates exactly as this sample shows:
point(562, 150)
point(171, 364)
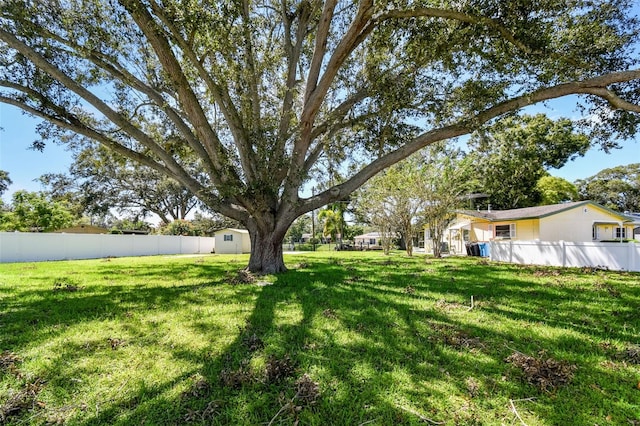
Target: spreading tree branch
point(596, 86)
point(189, 101)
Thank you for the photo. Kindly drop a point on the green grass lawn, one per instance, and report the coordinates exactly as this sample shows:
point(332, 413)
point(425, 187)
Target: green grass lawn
point(345, 338)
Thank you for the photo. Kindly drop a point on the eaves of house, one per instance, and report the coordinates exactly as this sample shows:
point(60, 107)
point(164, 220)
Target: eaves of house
point(538, 212)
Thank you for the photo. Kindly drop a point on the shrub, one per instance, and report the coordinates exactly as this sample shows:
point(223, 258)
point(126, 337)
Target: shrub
point(180, 227)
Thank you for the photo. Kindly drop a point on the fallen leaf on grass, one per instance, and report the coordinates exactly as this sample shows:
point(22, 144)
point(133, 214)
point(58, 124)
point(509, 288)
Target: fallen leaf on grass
point(308, 391)
point(235, 379)
point(8, 361)
point(243, 277)
point(329, 313)
point(631, 354)
point(544, 373)
point(22, 400)
point(278, 369)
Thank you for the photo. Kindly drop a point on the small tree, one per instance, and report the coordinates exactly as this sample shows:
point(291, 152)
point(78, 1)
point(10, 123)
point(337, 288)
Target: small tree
point(448, 176)
point(180, 227)
point(34, 212)
point(119, 226)
point(393, 200)
point(351, 231)
point(332, 222)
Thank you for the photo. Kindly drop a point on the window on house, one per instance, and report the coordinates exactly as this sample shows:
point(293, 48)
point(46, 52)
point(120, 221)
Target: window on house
point(466, 235)
point(372, 241)
point(228, 237)
point(506, 232)
point(595, 233)
point(621, 232)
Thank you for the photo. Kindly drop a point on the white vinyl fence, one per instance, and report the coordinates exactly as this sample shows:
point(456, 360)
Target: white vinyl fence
point(35, 247)
point(613, 256)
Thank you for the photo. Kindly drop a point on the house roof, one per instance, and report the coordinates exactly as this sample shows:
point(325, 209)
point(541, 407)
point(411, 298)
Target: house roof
point(240, 231)
point(83, 229)
point(537, 212)
point(368, 235)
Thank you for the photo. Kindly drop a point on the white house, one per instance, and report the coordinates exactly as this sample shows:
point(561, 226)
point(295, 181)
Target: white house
point(232, 241)
point(371, 240)
point(582, 221)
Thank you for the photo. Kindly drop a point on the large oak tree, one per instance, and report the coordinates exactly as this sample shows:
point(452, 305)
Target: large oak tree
point(617, 188)
point(100, 180)
point(513, 154)
point(260, 91)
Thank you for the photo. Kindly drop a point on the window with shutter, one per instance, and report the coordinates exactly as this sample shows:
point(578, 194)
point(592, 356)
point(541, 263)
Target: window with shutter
point(506, 232)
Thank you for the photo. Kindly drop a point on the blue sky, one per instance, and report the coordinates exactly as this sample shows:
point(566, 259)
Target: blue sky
point(25, 165)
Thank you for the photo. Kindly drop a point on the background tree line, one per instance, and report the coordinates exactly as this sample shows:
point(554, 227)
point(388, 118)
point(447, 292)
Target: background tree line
point(108, 190)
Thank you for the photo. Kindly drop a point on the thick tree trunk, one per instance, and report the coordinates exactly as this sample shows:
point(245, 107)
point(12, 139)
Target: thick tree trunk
point(266, 253)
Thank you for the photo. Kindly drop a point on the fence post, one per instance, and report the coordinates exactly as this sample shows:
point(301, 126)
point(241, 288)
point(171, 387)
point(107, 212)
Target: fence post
point(564, 253)
point(510, 251)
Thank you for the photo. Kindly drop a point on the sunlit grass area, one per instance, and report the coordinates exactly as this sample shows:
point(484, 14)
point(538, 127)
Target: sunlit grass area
point(342, 338)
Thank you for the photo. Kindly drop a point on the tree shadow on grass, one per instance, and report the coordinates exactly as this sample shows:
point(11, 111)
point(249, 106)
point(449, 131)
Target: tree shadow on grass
point(387, 342)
